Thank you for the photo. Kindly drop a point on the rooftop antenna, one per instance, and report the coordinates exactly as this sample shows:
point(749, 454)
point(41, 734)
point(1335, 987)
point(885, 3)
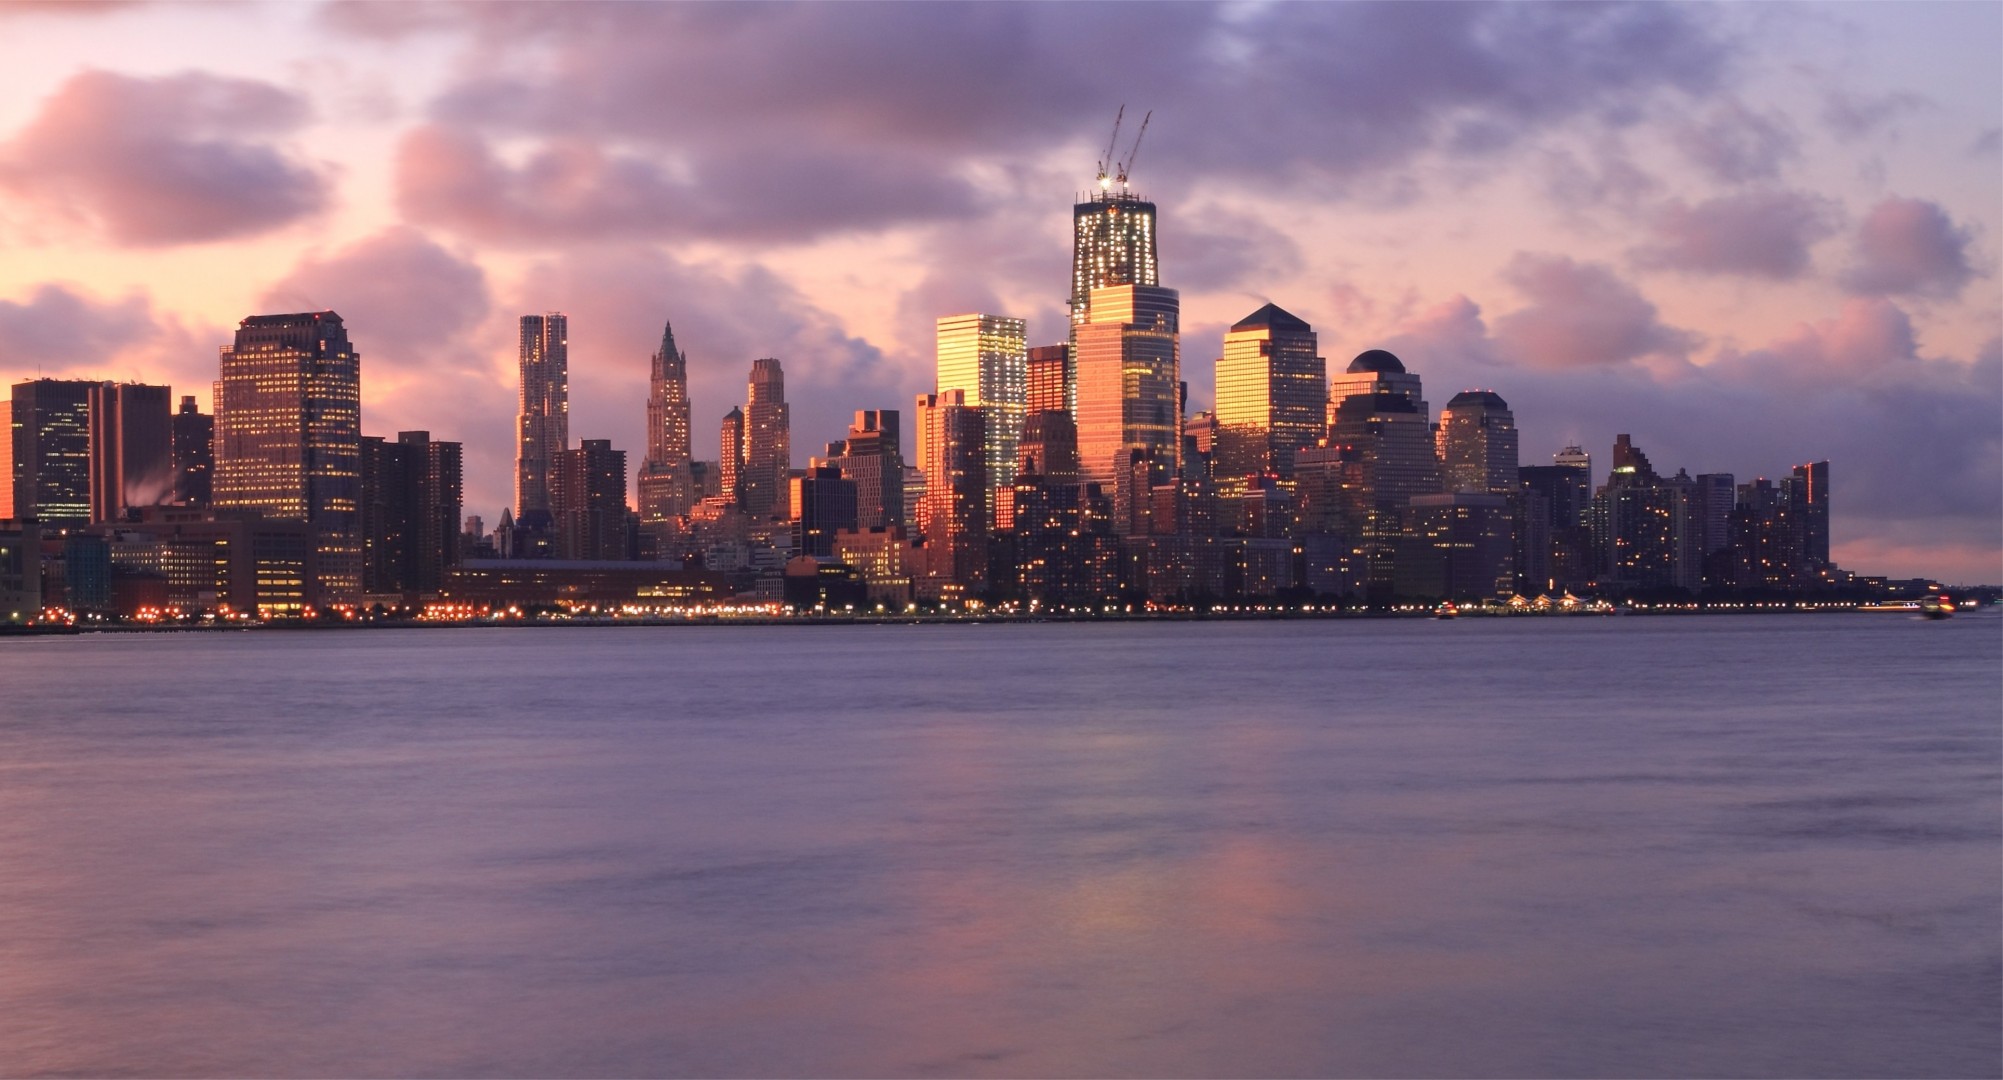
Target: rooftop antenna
point(1128, 165)
point(1106, 160)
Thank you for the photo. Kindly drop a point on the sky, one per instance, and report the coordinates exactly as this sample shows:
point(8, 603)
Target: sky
point(1749, 235)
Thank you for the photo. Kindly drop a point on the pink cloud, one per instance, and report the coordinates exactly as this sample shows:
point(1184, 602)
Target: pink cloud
point(1757, 234)
point(397, 289)
point(170, 160)
point(1581, 315)
point(1910, 247)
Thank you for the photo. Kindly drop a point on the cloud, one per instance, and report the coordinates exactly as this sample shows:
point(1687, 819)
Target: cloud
point(59, 328)
point(170, 160)
point(1737, 144)
point(572, 189)
point(1757, 234)
point(1910, 247)
point(398, 292)
point(744, 122)
point(1852, 115)
point(1581, 315)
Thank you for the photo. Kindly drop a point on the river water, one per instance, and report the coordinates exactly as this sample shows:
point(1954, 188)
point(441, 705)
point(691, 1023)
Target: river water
point(1676, 846)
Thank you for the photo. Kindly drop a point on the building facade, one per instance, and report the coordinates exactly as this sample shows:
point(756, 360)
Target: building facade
point(288, 434)
point(1272, 392)
point(542, 428)
point(1129, 387)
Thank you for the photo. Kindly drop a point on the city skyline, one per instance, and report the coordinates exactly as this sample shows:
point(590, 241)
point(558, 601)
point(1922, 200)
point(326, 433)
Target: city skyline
point(1744, 269)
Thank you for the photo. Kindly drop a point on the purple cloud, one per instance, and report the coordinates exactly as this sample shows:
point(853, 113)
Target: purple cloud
point(1758, 234)
point(159, 161)
point(399, 293)
point(1910, 247)
point(744, 122)
point(1582, 315)
point(1736, 144)
point(58, 328)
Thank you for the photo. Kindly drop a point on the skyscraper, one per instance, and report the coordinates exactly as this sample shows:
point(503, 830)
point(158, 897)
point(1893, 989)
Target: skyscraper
point(131, 448)
point(588, 501)
point(1047, 366)
point(1271, 397)
point(288, 434)
point(51, 451)
point(730, 467)
point(1809, 491)
point(543, 427)
point(1477, 444)
point(873, 457)
point(1376, 371)
point(768, 441)
point(194, 453)
point(952, 442)
point(666, 483)
point(1112, 244)
point(1129, 363)
point(987, 356)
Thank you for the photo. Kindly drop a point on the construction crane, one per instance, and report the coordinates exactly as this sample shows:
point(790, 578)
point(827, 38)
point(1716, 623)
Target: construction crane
point(1128, 165)
point(1106, 159)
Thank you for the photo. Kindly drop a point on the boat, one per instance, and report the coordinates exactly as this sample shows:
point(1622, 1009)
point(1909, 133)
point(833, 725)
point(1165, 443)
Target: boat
point(1446, 610)
point(1936, 605)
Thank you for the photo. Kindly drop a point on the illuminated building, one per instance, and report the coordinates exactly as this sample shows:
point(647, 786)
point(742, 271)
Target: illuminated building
point(194, 454)
point(490, 584)
point(20, 571)
point(1554, 547)
point(1049, 446)
point(881, 556)
point(873, 458)
point(1476, 443)
point(588, 502)
point(824, 503)
point(666, 481)
point(768, 445)
point(215, 560)
point(1271, 398)
point(51, 451)
point(131, 448)
point(987, 357)
point(543, 427)
point(288, 434)
point(952, 453)
point(1113, 243)
point(1642, 527)
point(1046, 366)
point(1128, 358)
point(730, 469)
point(1376, 371)
point(1457, 546)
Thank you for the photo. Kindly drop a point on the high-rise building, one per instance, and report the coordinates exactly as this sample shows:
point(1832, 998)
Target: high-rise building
point(1047, 365)
point(51, 451)
point(768, 442)
point(952, 453)
point(1477, 444)
point(987, 356)
point(824, 503)
point(411, 498)
point(543, 427)
point(1271, 398)
point(131, 448)
point(730, 469)
point(667, 490)
point(1809, 491)
point(288, 434)
point(194, 453)
point(588, 501)
point(1457, 546)
point(1643, 527)
point(1129, 365)
point(873, 457)
point(1396, 447)
point(1376, 371)
point(1113, 243)
point(20, 571)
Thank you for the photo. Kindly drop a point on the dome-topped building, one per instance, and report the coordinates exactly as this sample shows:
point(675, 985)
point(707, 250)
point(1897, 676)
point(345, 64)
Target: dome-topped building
point(1376, 371)
point(1376, 360)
